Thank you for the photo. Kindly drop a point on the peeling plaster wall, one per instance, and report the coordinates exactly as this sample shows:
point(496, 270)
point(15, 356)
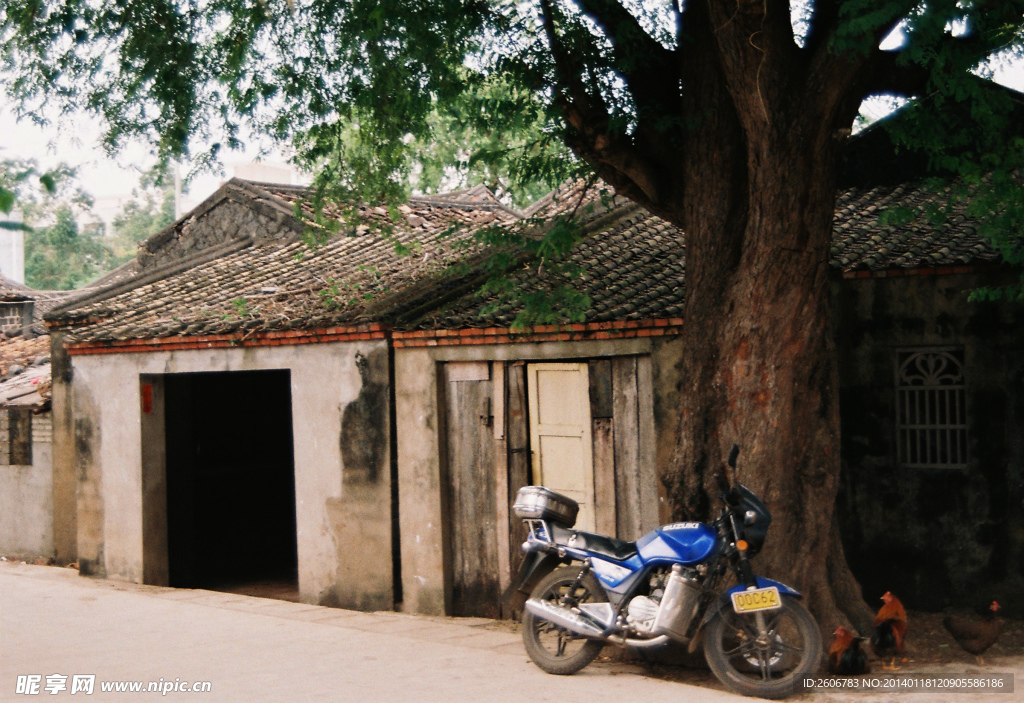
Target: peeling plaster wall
point(419, 457)
point(65, 476)
point(342, 458)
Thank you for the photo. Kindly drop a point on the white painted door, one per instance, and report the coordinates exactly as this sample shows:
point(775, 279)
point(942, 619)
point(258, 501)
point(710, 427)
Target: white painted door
point(559, 400)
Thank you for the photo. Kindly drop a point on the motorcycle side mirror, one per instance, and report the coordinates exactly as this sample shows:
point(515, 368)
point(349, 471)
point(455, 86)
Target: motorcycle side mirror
point(733, 453)
point(723, 482)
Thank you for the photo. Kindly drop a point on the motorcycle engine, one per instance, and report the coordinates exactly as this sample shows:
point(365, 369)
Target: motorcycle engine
point(641, 613)
point(642, 610)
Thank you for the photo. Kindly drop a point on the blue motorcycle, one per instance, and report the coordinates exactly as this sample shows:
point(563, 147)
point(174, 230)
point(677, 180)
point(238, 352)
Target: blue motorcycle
point(586, 590)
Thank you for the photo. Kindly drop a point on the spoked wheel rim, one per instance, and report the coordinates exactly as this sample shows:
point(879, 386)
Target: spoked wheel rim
point(769, 663)
point(774, 654)
point(555, 640)
point(553, 648)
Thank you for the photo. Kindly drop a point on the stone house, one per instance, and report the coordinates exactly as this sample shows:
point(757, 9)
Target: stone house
point(227, 409)
point(237, 383)
point(26, 463)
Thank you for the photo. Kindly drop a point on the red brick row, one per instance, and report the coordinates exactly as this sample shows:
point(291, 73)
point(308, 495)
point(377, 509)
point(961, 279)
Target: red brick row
point(416, 338)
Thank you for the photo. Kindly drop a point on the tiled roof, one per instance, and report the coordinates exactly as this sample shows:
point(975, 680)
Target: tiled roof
point(861, 243)
point(632, 267)
point(285, 284)
point(631, 270)
point(28, 388)
point(22, 352)
point(43, 300)
point(25, 372)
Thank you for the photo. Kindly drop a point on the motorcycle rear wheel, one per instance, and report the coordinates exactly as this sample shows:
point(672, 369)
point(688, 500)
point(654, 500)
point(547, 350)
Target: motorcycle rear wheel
point(554, 649)
point(773, 667)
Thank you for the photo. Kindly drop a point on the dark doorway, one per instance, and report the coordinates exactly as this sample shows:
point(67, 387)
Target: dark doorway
point(231, 482)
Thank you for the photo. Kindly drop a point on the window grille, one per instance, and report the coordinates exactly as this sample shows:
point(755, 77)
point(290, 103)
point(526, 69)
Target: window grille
point(16, 437)
point(932, 411)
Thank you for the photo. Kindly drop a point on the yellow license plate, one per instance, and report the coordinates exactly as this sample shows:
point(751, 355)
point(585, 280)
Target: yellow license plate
point(760, 599)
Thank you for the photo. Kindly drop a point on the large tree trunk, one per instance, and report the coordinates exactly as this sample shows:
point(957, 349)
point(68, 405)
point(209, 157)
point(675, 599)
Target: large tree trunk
point(760, 364)
point(747, 170)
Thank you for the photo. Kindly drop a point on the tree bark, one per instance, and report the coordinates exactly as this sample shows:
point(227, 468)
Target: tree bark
point(760, 364)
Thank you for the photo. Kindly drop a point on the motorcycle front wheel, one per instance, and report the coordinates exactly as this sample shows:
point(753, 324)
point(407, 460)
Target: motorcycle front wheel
point(770, 664)
point(554, 649)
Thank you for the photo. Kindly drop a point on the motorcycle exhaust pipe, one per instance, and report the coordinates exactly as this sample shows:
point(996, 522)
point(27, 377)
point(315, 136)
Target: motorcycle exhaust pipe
point(639, 644)
point(563, 617)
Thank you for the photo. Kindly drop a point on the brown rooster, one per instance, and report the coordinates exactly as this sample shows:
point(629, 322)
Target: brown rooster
point(890, 627)
point(845, 657)
point(973, 636)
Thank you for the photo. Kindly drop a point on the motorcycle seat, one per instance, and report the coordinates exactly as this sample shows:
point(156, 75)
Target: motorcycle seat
point(617, 549)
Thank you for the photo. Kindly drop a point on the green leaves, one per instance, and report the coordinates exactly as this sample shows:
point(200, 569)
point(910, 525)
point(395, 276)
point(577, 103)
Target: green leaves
point(144, 215)
point(969, 130)
point(7, 200)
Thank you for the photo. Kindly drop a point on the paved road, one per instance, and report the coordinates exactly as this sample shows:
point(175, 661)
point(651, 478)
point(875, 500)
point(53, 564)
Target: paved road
point(250, 649)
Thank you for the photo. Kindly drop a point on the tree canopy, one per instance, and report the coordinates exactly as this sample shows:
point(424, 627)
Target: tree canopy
point(611, 79)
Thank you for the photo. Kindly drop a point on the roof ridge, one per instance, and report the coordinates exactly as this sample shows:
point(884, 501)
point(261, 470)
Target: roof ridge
point(153, 275)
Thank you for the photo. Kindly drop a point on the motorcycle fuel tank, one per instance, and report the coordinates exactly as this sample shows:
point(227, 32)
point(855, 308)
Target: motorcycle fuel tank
point(686, 542)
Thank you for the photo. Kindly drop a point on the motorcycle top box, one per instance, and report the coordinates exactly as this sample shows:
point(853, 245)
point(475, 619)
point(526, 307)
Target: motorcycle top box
point(539, 503)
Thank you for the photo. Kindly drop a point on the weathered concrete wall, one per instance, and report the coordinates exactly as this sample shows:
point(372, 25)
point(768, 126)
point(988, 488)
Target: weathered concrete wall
point(342, 481)
point(936, 537)
point(419, 443)
point(65, 476)
point(26, 497)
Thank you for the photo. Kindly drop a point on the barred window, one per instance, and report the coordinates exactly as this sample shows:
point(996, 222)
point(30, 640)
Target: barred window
point(931, 407)
point(16, 437)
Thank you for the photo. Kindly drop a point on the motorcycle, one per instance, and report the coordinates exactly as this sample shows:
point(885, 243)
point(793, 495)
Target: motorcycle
point(586, 590)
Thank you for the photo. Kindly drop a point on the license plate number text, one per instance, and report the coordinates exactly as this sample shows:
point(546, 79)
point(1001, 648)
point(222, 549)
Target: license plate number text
point(760, 599)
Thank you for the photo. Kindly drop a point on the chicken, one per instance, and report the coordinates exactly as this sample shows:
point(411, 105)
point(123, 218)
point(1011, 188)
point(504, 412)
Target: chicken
point(845, 657)
point(890, 627)
point(974, 636)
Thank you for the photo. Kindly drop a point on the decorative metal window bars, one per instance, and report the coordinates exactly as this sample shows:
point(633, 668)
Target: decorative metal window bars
point(931, 405)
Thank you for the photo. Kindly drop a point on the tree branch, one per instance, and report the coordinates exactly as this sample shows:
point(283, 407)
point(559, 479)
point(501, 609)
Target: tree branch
point(613, 156)
point(623, 30)
point(647, 67)
point(886, 75)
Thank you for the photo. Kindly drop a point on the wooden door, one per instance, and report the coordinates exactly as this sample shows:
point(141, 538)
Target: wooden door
point(475, 562)
point(560, 434)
